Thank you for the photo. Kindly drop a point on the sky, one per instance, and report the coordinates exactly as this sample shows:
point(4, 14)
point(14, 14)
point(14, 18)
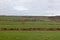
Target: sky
point(30, 7)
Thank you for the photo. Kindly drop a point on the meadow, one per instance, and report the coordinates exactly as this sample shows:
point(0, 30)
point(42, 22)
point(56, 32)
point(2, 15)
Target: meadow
point(29, 35)
point(16, 22)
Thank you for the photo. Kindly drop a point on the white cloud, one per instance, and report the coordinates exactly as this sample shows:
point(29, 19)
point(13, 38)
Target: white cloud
point(20, 8)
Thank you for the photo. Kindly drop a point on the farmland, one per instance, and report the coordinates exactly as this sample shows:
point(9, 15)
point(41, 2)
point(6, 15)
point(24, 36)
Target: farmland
point(28, 22)
point(9, 24)
point(29, 35)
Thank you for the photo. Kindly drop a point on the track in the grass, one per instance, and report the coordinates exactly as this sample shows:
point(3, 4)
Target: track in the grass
point(30, 29)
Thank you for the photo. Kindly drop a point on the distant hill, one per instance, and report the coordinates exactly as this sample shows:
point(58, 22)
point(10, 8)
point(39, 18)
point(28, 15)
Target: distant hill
point(54, 18)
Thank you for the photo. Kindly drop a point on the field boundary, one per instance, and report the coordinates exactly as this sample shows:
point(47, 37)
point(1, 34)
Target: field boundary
point(30, 29)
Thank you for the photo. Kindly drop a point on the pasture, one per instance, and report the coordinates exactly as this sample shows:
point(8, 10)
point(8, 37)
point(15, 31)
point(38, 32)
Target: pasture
point(16, 22)
point(29, 35)
point(12, 24)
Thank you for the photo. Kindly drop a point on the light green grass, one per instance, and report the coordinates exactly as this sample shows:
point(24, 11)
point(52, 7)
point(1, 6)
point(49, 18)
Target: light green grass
point(12, 24)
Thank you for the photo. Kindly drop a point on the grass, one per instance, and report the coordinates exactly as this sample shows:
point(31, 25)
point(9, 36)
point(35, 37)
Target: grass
point(13, 24)
point(28, 35)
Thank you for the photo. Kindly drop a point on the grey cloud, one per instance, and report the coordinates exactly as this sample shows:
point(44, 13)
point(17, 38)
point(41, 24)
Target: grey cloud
point(35, 7)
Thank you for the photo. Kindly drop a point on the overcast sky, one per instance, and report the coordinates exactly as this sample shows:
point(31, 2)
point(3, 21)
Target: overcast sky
point(30, 7)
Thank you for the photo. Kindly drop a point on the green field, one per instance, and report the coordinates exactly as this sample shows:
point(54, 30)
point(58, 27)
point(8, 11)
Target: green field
point(29, 35)
point(13, 22)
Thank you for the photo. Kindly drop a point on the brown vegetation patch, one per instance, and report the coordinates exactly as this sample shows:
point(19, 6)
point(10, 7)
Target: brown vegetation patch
point(30, 29)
